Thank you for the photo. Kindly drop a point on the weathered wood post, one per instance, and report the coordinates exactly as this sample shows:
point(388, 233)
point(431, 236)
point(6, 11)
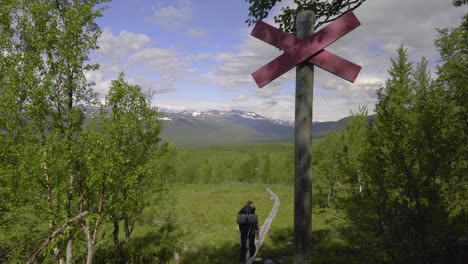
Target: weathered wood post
point(303, 145)
point(303, 51)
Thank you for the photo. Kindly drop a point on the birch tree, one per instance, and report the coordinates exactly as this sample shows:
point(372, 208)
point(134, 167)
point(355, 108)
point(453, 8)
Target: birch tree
point(44, 48)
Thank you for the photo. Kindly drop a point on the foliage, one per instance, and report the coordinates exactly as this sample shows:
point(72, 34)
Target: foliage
point(123, 160)
point(122, 140)
point(459, 2)
point(52, 167)
point(452, 45)
point(44, 48)
point(401, 180)
point(336, 161)
point(265, 163)
point(325, 11)
point(396, 188)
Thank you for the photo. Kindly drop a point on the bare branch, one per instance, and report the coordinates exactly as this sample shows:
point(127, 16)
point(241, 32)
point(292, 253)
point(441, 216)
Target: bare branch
point(348, 4)
point(53, 235)
point(324, 10)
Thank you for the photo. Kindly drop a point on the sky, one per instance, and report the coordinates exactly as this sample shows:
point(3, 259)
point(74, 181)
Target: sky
point(198, 55)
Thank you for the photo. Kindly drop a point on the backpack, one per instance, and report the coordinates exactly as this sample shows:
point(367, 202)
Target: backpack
point(249, 218)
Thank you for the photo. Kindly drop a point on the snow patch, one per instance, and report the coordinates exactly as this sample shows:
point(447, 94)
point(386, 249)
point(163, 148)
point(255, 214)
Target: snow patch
point(283, 122)
point(251, 116)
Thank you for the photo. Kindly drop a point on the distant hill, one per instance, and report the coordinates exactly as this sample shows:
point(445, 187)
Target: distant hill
point(223, 128)
point(233, 128)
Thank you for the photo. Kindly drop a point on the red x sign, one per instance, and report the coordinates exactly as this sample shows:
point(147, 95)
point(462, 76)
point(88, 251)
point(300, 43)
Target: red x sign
point(312, 50)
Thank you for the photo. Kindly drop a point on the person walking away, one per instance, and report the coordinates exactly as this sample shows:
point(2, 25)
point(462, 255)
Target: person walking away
point(248, 226)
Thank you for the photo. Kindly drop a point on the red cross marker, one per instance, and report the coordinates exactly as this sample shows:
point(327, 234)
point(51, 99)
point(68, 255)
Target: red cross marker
point(312, 50)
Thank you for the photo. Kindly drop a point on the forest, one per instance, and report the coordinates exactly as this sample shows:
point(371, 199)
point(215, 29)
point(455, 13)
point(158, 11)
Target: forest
point(390, 189)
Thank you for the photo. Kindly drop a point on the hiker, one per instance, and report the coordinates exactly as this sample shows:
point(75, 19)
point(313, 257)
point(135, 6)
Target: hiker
point(248, 226)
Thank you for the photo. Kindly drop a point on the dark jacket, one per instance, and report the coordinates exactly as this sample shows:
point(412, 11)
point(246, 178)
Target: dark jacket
point(248, 209)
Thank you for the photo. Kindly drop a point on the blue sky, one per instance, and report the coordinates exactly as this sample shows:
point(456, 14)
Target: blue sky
point(198, 54)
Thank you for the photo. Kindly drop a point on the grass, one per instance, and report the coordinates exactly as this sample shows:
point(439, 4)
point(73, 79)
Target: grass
point(203, 228)
point(206, 223)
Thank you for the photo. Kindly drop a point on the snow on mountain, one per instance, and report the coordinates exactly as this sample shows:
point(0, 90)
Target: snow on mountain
point(249, 115)
point(284, 122)
point(233, 127)
point(217, 115)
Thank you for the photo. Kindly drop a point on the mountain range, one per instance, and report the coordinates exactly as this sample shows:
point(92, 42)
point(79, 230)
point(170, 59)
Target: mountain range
point(234, 127)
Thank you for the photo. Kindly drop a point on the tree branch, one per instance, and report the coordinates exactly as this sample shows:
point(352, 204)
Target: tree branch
point(53, 235)
point(348, 4)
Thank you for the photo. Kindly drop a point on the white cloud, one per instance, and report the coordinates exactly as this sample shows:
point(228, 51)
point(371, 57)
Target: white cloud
point(102, 84)
point(207, 76)
point(234, 69)
point(277, 107)
point(166, 63)
point(196, 33)
point(173, 16)
point(192, 70)
point(385, 25)
point(122, 45)
point(193, 106)
point(198, 57)
point(240, 98)
point(149, 86)
point(129, 51)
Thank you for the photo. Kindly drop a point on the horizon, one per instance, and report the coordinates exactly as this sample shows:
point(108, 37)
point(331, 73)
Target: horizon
point(234, 110)
point(180, 51)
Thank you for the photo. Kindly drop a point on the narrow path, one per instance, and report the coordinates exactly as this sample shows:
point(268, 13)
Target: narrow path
point(265, 227)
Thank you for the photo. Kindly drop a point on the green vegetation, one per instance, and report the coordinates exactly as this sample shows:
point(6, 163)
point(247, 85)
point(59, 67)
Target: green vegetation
point(223, 131)
point(61, 182)
point(207, 132)
point(213, 133)
point(268, 163)
point(212, 236)
point(325, 11)
point(401, 180)
point(203, 228)
point(388, 190)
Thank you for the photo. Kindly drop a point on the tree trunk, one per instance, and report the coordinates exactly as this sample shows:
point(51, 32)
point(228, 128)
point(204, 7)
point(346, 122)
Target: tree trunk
point(115, 234)
point(49, 190)
point(127, 230)
point(92, 237)
point(69, 253)
point(69, 248)
point(90, 244)
point(90, 252)
point(70, 163)
point(57, 254)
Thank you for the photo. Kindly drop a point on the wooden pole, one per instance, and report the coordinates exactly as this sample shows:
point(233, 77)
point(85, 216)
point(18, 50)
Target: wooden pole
point(303, 146)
